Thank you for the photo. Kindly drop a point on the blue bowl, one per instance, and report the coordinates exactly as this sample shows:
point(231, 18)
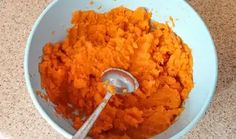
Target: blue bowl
point(189, 26)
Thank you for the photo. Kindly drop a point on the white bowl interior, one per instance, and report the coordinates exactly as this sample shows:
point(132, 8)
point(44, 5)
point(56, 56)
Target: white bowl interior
point(56, 18)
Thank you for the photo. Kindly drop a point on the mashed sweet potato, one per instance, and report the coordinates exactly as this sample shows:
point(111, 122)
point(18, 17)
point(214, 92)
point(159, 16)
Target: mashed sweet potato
point(71, 72)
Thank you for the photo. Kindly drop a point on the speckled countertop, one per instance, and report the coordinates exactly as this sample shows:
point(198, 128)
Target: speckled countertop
point(19, 118)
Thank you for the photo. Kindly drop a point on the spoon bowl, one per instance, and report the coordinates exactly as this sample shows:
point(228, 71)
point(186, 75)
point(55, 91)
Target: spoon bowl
point(123, 81)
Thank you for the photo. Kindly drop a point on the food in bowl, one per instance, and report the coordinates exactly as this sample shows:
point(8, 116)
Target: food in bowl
point(162, 63)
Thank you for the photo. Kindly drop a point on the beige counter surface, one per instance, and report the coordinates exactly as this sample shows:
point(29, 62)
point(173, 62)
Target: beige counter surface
point(20, 119)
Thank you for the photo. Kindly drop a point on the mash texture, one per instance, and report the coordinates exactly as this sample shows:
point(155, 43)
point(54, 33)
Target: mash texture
point(71, 72)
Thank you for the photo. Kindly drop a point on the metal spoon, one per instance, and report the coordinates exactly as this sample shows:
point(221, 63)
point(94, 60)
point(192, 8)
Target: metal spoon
point(121, 80)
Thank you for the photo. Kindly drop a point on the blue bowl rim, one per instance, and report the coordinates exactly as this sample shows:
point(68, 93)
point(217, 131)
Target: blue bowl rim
point(67, 134)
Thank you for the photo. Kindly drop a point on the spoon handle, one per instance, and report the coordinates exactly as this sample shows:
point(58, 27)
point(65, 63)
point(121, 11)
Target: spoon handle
point(83, 131)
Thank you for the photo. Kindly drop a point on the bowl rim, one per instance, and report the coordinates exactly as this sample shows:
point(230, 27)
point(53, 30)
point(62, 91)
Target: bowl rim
point(27, 75)
point(67, 134)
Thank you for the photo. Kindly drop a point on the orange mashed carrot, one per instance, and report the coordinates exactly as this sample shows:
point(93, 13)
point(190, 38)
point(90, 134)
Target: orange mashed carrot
point(162, 63)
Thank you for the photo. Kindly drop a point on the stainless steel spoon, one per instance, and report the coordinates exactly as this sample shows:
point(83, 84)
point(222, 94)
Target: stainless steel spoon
point(121, 80)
